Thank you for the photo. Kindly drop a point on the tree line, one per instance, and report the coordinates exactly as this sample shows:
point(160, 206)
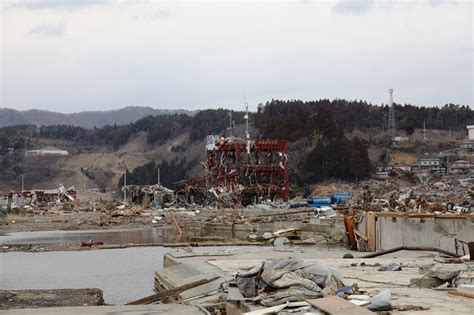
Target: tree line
point(277, 119)
point(158, 128)
point(295, 119)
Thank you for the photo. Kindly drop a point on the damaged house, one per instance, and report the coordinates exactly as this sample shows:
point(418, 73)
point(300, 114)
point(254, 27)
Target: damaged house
point(153, 195)
point(37, 196)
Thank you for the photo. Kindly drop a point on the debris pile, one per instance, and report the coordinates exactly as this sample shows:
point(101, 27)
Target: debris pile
point(280, 281)
point(35, 200)
point(156, 196)
point(313, 282)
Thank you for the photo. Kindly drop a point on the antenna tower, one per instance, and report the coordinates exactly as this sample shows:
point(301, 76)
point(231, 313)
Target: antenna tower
point(392, 131)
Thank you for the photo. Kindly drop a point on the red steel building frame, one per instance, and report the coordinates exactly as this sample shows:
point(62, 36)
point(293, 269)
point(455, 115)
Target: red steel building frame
point(261, 172)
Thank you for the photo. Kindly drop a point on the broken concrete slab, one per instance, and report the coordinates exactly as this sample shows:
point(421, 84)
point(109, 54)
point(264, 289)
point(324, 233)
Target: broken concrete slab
point(335, 305)
point(49, 298)
point(176, 309)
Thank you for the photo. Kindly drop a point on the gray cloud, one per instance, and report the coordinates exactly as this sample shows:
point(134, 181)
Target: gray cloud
point(56, 30)
point(353, 6)
point(436, 3)
point(207, 55)
point(54, 4)
point(151, 16)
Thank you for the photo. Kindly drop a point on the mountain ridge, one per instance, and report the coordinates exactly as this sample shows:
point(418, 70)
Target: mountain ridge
point(86, 119)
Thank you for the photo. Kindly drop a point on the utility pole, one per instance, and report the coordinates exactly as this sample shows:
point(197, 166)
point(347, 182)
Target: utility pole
point(424, 130)
point(230, 124)
point(158, 173)
point(22, 183)
point(125, 186)
point(85, 179)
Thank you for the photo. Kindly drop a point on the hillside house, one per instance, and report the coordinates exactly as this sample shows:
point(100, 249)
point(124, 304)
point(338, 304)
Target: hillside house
point(467, 148)
point(429, 162)
point(47, 151)
point(461, 167)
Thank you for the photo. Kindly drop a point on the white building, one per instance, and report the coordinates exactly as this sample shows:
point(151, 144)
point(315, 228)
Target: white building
point(431, 162)
point(46, 151)
point(401, 139)
point(470, 132)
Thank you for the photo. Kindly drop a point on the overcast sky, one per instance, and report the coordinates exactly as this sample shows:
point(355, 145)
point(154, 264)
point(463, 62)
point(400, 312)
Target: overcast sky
point(75, 55)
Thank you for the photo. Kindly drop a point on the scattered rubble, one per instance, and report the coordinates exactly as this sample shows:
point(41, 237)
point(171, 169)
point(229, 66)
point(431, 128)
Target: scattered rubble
point(432, 214)
point(307, 284)
point(391, 266)
point(154, 196)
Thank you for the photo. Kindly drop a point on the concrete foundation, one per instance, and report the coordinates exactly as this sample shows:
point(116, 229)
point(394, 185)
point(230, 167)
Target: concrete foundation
point(427, 231)
point(177, 309)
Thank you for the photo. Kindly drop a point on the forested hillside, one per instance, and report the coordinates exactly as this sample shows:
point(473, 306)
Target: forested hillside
point(158, 128)
point(292, 120)
point(318, 131)
point(87, 119)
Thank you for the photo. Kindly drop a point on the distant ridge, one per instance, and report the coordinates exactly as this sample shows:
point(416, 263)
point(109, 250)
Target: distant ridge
point(86, 119)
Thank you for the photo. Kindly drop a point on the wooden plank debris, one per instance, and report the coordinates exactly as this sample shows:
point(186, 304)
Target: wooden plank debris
point(462, 292)
point(338, 306)
point(359, 234)
point(370, 231)
point(172, 292)
point(285, 233)
point(277, 308)
point(416, 248)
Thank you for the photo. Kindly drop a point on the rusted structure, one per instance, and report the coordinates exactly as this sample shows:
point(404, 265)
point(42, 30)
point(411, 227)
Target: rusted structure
point(240, 172)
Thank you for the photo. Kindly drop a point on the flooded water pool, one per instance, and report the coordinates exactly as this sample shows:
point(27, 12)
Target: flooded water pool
point(122, 274)
point(136, 236)
point(163, 234)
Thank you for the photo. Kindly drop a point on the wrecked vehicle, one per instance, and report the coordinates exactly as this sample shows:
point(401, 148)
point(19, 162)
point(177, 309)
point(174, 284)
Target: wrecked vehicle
point(324, 213)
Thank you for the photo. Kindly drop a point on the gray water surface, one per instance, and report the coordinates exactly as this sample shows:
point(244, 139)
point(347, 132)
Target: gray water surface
point(136, 236)
point(123, 274)
point(163, 234)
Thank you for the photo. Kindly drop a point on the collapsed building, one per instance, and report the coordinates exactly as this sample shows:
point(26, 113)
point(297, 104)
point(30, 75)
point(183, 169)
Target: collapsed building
point(153, 195)
point(37, 196)
point(239, 172)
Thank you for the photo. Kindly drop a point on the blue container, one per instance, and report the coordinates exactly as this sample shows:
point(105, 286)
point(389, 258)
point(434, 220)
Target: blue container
point(319, 201)
point(340, 197)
